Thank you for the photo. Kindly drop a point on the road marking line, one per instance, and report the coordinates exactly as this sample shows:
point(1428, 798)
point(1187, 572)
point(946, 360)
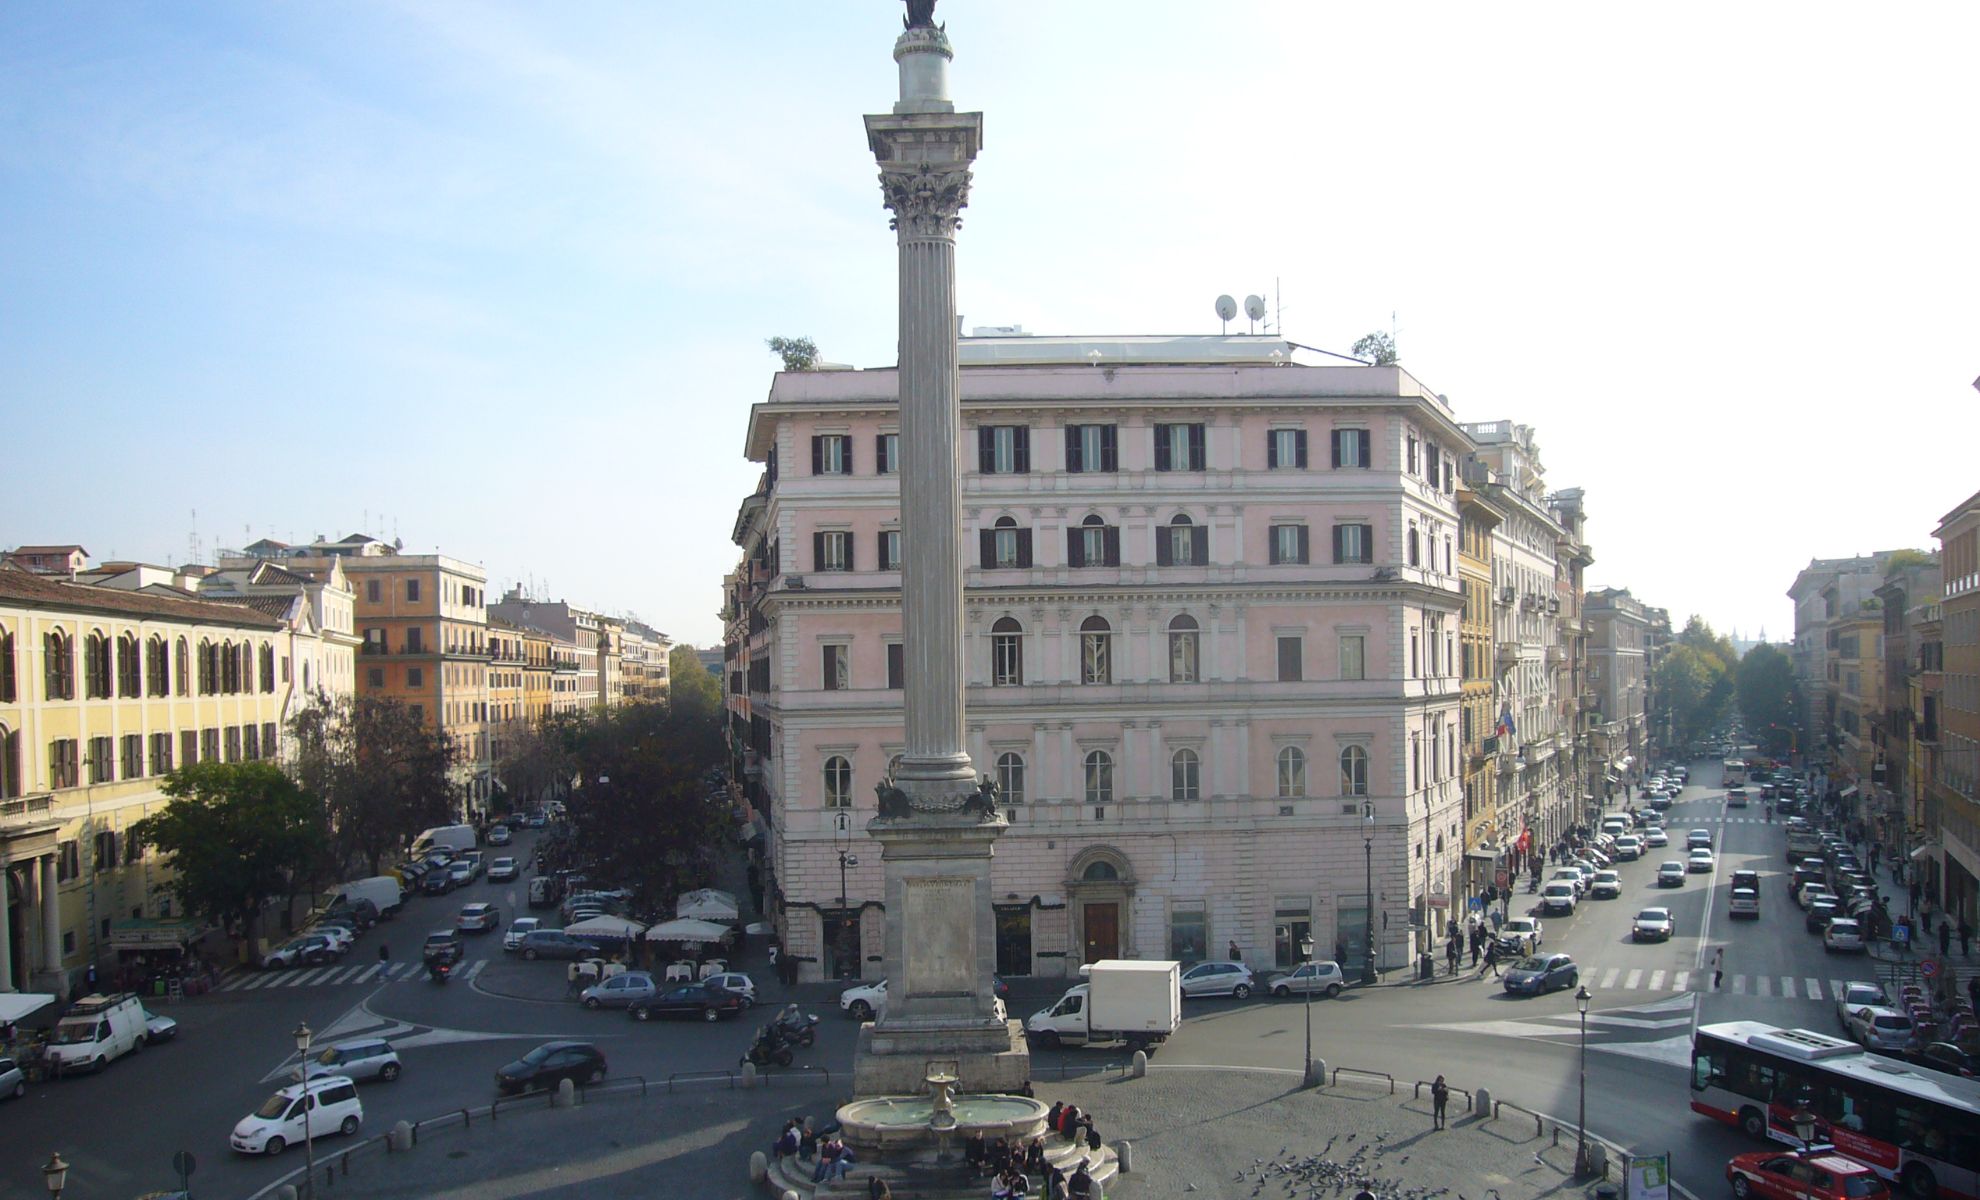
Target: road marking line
point(1739, 985)
point(1656, 981)
point(370, 971)
point(260, 981)
point(1763, 985)
point(1835, 989)
point(1681, 982)
point(337, 974)
point(238, 981)
point(298, 978)
point(474, 970)
point(1787, 987)
point(1635, 977)
point(1609, 980)
point(1813, 987)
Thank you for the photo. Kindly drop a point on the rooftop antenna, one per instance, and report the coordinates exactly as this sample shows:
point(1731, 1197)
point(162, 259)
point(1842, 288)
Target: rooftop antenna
point(192, 538)
point(1278, 308)
point(1254, 310)
point(1226, 309)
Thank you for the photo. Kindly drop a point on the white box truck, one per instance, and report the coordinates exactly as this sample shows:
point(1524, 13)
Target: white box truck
point(1128, 1001)
point(98, 1029)
point(451, 838)
point(384, 891)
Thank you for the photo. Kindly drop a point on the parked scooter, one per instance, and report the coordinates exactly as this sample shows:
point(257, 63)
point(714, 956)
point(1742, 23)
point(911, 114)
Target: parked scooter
point(796, 1027)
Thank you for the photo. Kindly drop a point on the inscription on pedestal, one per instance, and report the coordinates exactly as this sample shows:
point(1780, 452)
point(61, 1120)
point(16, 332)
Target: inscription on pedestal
point(941, 954)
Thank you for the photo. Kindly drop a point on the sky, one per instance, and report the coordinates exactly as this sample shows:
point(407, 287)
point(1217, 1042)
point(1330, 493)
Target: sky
point(495, 279)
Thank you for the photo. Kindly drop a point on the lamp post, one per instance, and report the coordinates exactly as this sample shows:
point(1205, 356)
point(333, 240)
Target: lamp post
point(1581, 999)
point(55, 1173)
point(302, 1035)
point(1803, 1122)
point(1369, 973)
point(1312, 977)
point(842, 838)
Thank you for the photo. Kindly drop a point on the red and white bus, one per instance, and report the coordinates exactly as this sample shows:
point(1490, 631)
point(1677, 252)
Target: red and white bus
point(1914, 1126)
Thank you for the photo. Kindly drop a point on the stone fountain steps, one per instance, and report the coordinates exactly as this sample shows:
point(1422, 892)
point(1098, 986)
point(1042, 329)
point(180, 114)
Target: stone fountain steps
point(926, 1181)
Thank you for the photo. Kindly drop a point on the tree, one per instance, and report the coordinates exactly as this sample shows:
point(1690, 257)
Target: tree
point(536, 765)
point(798, 353)
point(690, 688)
point(1693, 683)
point(1768, 700)
point(643, 812)
point(382, 772)
point(238, 836)
point(1378, 348)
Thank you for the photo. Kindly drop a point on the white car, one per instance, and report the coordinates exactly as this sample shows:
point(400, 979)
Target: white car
point(1860, 995)
point(1700, 862)
point(1629, 847)
point(1698, 839)
point(1607, 885)
point(1521, 934)
point(512, 939)
point(1651, 925)
point(1843, 936)
point(280, 1122)
point(501, 869)
point(1655, 837)
point(479, 917)
point(863, 1002)
point(341, 936)
point(1670, 874)
point(158, 1029)
point(1322, 977)
point(737, 982)
point(1573, 876)
point(1744, 902)
point(1880, 1028)
point(1231, 979)
point(1558, 897)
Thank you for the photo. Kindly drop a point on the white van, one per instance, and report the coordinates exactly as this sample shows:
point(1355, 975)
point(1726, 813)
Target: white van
point(300, 1111)
point(98, 1029)
point(384, 892)
point(451, 838)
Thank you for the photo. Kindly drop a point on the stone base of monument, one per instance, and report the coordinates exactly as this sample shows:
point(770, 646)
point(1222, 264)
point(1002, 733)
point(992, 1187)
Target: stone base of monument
point(922, 1177)
point(894, 1061)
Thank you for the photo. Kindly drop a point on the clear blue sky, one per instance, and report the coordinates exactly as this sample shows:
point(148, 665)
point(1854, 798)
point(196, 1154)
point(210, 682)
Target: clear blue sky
point(501, 273)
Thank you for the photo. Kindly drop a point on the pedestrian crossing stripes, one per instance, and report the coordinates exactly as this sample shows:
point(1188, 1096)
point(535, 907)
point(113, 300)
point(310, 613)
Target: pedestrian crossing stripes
point(1772, 987)
point(386, 972)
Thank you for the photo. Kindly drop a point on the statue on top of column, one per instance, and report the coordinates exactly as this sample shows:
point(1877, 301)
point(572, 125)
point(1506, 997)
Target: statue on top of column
point(920, 15)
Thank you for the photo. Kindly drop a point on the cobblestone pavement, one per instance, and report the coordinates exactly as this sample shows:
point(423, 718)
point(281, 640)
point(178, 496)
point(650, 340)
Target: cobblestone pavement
point(1207, 1132)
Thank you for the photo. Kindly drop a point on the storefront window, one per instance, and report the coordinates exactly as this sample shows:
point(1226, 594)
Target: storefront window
point(1189, 932)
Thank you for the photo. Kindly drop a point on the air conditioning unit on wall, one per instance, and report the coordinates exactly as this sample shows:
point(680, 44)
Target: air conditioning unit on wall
point(1508, 595)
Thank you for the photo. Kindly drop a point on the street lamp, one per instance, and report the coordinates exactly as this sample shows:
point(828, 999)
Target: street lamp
point(55, 1173)
point(842, 838)
point(1804, 1127)
point(302, 1035)
point(1581, 999)
point(1312, 977)
point(1369, 974)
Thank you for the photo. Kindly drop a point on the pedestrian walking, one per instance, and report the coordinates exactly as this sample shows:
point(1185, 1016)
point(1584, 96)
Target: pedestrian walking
point(1945, 936)
point(1236, 956)
point(1491, 960)
point(1965, 939)
point(384, 954)
point(1440, 1095)
point(1718, 968)
point(1452, 953)
point(1476, 946)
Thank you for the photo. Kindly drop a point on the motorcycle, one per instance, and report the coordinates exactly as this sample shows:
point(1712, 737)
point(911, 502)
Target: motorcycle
point(770, 1047)
point(440, 972)
point(796, 1027)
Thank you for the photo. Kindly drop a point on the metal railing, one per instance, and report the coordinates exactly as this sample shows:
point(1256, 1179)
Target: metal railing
point(1424, 1083)
point(1539, 1122)
point(1383, 1075)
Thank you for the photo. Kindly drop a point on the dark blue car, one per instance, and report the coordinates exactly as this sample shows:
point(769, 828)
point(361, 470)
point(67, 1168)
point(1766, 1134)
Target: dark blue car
point(1541, 974)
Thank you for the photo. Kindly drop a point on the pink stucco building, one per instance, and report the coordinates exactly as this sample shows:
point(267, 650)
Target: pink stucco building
point(1211, 628)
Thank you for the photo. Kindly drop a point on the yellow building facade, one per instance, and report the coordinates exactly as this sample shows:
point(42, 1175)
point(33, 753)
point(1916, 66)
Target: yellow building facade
point(1484, 842)
point(102, 693)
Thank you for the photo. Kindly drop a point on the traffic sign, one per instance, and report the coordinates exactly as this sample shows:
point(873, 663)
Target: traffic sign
point(1929, 967)
point(1501, 878)
point(184, 1163)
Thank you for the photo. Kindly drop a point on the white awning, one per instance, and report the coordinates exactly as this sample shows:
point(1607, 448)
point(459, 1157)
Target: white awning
point(1925, 851)
point(15, 1005)
point(1849, 791)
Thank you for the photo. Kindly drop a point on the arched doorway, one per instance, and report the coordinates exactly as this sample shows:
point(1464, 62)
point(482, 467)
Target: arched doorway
point(1101, 886)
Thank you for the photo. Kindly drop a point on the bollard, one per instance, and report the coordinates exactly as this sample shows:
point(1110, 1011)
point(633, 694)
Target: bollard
point(1140, 1064)
point(1598, 1159)
point(1606, 1191)
point(759, 1166)
point(566, 1094)
point(1124, 1152)
point(1316, 1073)
point(286, 1192)
point(788, 1195)
point(400, 1137)
point(1481, 1103)
point(749, 1074)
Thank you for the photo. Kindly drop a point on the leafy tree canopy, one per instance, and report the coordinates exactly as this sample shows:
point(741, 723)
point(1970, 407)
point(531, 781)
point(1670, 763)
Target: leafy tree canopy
point(382, 771)
point(1694, 683)
point(690, 688)
point(642, 813)
point(1769, 703)
point(237, 835)
point(1378, 348)
point(798, 353)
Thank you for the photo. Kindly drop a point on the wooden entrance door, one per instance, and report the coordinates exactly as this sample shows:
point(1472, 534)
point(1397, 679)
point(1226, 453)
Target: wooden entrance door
point(1103, 931)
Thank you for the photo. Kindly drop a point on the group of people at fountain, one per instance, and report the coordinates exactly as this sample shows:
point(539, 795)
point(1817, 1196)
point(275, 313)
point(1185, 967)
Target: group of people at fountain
point(1012, 1166)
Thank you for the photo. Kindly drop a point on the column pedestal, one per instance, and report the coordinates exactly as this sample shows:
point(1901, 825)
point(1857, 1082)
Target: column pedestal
point(51, 977)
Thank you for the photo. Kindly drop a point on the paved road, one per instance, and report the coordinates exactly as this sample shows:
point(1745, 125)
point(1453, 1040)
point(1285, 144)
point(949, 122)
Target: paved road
point(120, 1129)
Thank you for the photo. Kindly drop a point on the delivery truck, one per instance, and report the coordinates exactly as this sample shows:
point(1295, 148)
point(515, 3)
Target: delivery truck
point(1129, 1002)
point(97, 1030)
point(451, 838)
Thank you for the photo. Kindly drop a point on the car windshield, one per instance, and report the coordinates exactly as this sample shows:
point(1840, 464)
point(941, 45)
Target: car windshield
point(1532, 964)
point(1519, 925)
point(329, 1057)
point(72, 1033)
point(439, 939)
point(274, 1107)
point(538, 1055)
point(1653, 914)
point(1857, 1186)
point(1893, 1021)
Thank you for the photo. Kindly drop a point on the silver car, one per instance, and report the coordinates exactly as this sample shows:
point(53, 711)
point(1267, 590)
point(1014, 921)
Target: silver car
point(1880, 1028)
point(13, 1081)
point(620, 991)
point(1325, 978)
point(1217, 979)
point(364, 1058)
point(1859, 995)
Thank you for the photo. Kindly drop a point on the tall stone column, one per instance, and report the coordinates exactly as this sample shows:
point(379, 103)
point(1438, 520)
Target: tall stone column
point(6, 935)
point(925, 149)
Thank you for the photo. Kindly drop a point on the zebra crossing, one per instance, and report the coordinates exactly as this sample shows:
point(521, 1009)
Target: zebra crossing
point(1775, 987)
point(369, 973)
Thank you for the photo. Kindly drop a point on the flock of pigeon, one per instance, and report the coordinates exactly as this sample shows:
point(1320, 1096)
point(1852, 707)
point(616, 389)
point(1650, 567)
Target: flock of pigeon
point(1356, 1177)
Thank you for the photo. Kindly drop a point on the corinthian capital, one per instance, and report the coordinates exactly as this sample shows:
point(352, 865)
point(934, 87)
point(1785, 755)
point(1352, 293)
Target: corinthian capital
point(926, 200)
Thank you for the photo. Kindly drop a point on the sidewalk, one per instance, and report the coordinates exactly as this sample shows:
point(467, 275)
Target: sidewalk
point(1212, 1132)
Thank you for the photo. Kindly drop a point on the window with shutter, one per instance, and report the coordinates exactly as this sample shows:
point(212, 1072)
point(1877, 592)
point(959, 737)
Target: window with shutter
point(986, 449)
point(1113, 538)
point(1024, 547)
point(896, 666)
point(1292, 655)
point(1199, 546)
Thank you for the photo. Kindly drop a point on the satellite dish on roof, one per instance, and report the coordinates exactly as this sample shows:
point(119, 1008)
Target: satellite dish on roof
point(1254, 308)
point(1226, 309)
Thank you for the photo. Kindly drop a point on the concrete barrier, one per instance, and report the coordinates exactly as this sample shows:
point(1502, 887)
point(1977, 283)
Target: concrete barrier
point(1316, 1073)
point(566, 1094)
point(759, 1166)
point(1481, 1103)
point(399, 1137)
point(749, 1074)
point(1124, 1151)
point(1140, 1064)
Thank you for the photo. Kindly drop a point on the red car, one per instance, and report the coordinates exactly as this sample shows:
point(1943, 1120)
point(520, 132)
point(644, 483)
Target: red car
point(1817, 1175)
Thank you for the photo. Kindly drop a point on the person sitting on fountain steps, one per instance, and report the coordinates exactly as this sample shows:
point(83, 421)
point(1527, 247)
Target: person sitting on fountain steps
point(1034, 1157)
point(1080, 1186)
point(1059, 1108)
point(1011, 1185)
point(974, 1153)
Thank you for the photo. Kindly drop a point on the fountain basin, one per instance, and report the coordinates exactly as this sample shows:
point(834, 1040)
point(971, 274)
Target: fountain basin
point(899, 1123)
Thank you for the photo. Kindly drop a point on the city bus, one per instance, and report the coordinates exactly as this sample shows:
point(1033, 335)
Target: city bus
point(1735, 773)
point(1914, 1126)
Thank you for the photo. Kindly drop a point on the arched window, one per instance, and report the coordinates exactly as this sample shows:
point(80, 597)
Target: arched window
point(1004, 543)
point(1006, 653)
point(1292, 772)
point(1099, 777)
point(1183, 658)
point(10, 764)
point(130, 672)
point(1100, 871)
point(96, 666)
point(1415, 546)
point(838, 782)
point(58, 653)
point(157, 667)
point(1010, 778)
point(1096, 659)
point(209, 668)
point(1092, 542)
point(9, 682)
point(1175, 545)
point(1354, 771)
point(1185, 772)
point(182, 666)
